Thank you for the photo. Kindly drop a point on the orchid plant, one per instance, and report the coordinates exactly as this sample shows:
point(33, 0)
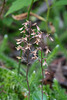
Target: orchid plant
point(31, 36)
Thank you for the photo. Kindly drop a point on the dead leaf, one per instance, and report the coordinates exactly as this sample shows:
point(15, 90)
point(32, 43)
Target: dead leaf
point(24, 15)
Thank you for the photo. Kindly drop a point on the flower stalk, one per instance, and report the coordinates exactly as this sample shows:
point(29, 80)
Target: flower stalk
point(27, 77)
point(48, 11)
point(29, 10)
point(28, 53)
point(42, 72)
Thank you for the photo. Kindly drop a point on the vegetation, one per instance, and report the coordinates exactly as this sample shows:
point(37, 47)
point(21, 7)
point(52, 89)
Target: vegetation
point(36, 35)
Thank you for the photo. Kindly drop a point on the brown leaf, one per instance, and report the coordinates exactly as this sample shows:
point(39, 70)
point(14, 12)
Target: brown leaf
point(24, 15)
point(53, 30)
point(20, 17)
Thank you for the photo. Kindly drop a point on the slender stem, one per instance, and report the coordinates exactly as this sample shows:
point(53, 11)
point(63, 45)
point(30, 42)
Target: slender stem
point(2, 7)
point(48, 9)
point(29, 10)
point(19, 62)
point(28, 66)
point(27, 75)
point(28, 53)
point(42, 74)
point(47, 15)
point(28, 82)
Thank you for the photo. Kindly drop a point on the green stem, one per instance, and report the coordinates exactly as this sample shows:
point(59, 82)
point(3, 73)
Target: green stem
point(47, 15)
point(28, 53)
point(30, 10)
point(19, 62)
point(42, 73)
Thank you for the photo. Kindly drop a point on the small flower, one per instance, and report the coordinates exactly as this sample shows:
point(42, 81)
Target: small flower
point(28, 46)
point(23, 31)
point(18, 57)
point(38, 28)
point(34, 52)
point(51, 39)
point(39, 48)
point(37, 41)
point(21, 28)
point(47, 51)
point(18, 47)
point(24, 39)
point(39, 35)
point(45, 63)
point(35, 57)
point(34, 24)
point(26, 23)
point(19, 42)
point(34, 33)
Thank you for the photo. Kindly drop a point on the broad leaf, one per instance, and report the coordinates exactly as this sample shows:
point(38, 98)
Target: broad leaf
point(60, 3)
point(37, 95)
point(17, 5)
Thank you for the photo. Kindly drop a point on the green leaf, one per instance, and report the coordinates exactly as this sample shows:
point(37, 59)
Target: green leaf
point(60, 3)
point(17, 5)
point(52, 54)
point(32, 77)
point(64, 50)
point(37, 95)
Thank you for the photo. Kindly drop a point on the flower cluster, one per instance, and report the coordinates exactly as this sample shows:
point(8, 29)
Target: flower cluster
point(31, 35)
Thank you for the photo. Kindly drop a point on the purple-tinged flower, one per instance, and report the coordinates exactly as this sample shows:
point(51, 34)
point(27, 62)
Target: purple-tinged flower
point(22, 31)
point(19, 47)
point(51, 39)
point(47, 51)
point(45, 63)
point(38, 28)
point(21, 28)
point(37, 41)
point(28, 46)
point(34, 58)
point(18, 57)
